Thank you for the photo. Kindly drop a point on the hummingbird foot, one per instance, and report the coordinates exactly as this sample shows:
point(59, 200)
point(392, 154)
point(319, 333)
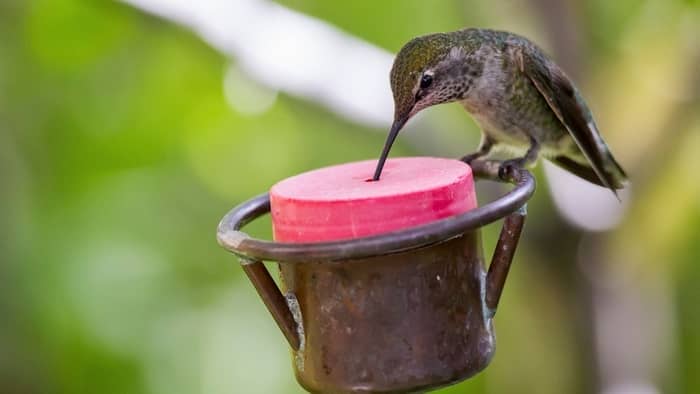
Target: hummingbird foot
point(471, 157)
point(507, 170)
point(484, 149)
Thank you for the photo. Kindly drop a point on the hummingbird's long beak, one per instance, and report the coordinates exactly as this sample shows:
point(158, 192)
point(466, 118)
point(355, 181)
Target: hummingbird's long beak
point(395, 128)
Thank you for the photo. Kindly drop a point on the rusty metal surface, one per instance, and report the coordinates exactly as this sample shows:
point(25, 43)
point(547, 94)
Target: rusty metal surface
point(407, 321)
point(405, 311)
point(503, 257)
point(274, 301)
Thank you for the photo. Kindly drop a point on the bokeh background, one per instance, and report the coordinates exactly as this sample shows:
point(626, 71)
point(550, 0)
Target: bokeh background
point(127, 130)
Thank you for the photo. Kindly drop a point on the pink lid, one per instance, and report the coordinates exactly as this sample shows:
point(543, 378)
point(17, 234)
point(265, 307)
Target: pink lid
point(338, 202)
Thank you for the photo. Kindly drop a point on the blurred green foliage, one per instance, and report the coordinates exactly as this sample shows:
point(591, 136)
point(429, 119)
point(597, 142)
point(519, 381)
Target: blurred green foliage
point(119, 154)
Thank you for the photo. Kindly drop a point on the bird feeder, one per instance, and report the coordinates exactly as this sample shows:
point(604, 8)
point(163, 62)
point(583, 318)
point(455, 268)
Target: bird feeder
point(384, 285)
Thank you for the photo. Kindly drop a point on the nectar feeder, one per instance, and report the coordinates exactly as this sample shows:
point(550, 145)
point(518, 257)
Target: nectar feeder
point(384, 283)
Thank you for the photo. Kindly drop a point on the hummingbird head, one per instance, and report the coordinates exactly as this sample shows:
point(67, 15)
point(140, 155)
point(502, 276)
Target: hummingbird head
point(428, 70)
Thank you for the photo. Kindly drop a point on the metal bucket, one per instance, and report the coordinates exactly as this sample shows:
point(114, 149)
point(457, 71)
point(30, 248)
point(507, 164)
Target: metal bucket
point(405, 311)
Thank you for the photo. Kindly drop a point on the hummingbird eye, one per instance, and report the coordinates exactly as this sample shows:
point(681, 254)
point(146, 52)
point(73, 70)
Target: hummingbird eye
point(425, 81)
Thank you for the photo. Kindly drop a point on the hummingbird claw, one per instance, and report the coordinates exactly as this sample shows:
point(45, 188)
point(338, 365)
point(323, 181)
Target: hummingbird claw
point(507, 169)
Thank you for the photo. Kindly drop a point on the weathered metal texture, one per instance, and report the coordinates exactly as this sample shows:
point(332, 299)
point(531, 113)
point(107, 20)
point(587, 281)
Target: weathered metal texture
point(400, 312)
point(405, 321)
point(274, 301)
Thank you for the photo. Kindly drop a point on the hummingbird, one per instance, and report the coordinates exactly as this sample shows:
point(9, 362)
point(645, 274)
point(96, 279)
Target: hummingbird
point(517, 95)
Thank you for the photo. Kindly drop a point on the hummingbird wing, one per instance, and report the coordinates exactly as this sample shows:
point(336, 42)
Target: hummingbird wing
point(572, 111)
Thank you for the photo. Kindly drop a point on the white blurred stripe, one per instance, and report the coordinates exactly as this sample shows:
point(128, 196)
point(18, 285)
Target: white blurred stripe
point(292, 52)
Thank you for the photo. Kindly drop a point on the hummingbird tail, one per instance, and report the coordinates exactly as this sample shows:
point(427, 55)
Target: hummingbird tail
point(617, 169)
point(614, 175)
